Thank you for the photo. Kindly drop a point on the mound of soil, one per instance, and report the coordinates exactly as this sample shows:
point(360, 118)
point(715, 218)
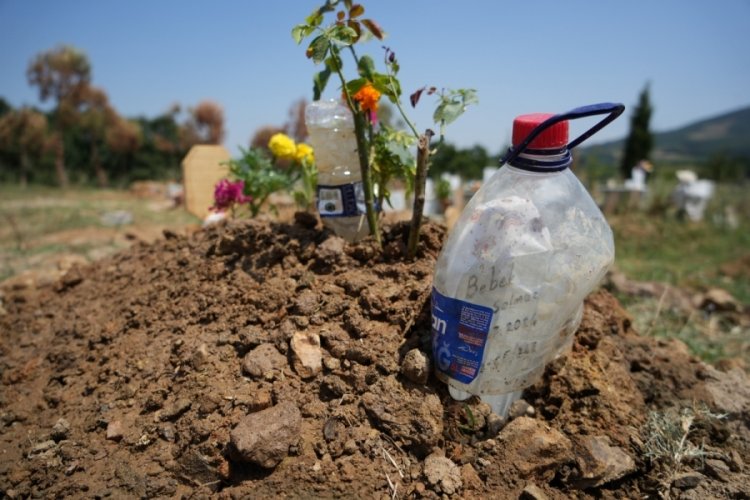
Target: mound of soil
point(261, 359)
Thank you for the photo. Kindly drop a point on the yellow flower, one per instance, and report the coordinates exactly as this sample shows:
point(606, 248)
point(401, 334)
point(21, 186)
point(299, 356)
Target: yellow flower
point(368, 98)
point(304, 153)
point(282, 146)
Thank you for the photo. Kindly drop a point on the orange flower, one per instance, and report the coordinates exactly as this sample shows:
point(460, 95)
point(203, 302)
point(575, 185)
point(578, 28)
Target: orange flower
point(368, 98)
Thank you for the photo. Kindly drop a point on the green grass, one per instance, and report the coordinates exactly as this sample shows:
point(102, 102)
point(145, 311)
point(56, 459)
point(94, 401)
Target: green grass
point(656, 245)
point(38, 223)
point(664, 248)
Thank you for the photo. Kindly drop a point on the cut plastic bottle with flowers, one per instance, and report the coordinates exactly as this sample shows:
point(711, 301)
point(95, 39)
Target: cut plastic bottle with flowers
point(376, 153)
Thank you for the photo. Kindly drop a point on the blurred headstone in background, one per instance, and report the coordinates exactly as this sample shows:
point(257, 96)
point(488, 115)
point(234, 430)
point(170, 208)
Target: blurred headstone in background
point(202, 168)
point(692, 194)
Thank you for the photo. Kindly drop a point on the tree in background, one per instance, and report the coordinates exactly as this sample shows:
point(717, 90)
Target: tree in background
point(639, 142)
point(23, 133)
point(96, 116)
point(208, 122)
point(124, 138)
point(60, 74)
point(469, 163)
point(262, 135)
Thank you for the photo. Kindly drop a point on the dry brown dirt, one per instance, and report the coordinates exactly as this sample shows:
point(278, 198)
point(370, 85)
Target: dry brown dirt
point(261, 359)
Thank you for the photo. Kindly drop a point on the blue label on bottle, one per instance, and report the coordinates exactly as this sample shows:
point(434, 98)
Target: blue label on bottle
point(459, 334)
point(345, 200)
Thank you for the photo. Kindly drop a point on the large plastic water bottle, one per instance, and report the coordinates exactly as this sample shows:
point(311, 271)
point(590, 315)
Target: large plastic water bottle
point(340, 196)
point(510, 281)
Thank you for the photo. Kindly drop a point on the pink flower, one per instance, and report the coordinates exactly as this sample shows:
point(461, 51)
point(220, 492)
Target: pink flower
point(227, 194)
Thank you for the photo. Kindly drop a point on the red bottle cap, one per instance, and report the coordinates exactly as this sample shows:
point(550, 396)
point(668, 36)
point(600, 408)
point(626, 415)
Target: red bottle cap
point(555, 136)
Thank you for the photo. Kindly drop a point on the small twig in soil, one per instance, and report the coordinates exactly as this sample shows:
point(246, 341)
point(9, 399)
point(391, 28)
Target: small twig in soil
point(423, 157)
point(390, 459)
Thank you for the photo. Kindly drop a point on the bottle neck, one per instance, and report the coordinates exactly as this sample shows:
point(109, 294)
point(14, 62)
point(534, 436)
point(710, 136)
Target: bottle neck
point(543, 160)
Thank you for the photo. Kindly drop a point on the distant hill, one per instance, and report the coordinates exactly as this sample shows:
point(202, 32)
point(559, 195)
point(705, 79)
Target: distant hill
point(728, 134)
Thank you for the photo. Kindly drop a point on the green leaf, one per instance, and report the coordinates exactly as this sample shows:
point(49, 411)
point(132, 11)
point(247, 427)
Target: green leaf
point(342, 34)
point(334, 63)
point(353, 86)
point(448, 111)
point(320, 80)
point(387, 86)
point(301, 31)
point(366, 67)
point(315, 18)
point(318, 48)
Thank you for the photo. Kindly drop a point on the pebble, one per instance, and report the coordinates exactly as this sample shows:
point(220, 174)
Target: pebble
point(114, 430)
point(495, 424)
point(174, 410)
point(601, 463)
point(307, 356)
point(442, 474)
point(520, 408)
point(718, 470)
point(262, 361)
point(307, 303)
point(687, 480)
point(61, 430)
point(416, 367)
point(532, 492)
point(264, 438)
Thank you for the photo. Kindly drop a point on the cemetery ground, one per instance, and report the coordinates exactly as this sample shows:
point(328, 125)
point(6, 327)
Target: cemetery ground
point(150, 358)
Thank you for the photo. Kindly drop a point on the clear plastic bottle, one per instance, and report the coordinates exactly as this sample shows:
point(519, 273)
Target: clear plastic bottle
point(340, 196)
point(510, 281)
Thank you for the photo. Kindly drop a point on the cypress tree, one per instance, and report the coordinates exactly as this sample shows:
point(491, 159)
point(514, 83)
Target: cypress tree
point(639, 143)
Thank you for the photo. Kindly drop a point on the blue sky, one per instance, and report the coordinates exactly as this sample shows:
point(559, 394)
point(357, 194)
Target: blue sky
point(521, 57)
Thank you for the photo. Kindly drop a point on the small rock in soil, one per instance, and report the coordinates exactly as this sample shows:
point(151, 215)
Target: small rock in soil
point(199, 357)
point(114, 430)
point(520, 408)
point(534, 447)
point(470, 478)
point(687, 480)
point(307, 356)
point(263, 362)
point(330, 250)
point(416, 366)
point(601, 463)
point(735, 461)
point(264, 438)
point(495, 424)
point(175, 410)
point(442, 474)
point(532, 492)
point(307, 303)
point(61, 430)
point(718, 470)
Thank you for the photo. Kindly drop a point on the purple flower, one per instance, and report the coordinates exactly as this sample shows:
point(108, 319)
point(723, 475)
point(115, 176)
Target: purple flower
point(227, 194)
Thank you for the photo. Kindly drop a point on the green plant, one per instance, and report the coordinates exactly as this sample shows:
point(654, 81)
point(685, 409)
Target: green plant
point(443, 189)
point(383, 152)
point(261, 177)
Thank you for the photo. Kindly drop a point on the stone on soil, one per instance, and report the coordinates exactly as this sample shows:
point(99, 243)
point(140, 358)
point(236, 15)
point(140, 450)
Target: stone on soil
point(601, 463)
point(532, 492)
point(535, 448)
point(687, 480)
point(307, 357)
point(114, 430)
point(263, 361)
point(416, 366)
point(442, 474)
point(264, 438)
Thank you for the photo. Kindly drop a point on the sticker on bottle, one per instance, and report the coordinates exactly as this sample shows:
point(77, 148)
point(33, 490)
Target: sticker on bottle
point(346, 200)
point(459, 335)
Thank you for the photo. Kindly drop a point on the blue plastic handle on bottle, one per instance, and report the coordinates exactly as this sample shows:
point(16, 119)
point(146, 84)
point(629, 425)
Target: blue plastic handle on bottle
point(612, 110)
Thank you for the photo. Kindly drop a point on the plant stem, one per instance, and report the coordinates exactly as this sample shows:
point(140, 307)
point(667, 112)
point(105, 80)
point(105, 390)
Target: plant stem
point(423, 157)
point(363, 153)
